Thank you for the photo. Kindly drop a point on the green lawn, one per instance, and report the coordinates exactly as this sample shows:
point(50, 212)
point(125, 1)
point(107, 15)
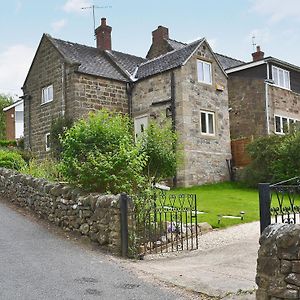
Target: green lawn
point(228, 198)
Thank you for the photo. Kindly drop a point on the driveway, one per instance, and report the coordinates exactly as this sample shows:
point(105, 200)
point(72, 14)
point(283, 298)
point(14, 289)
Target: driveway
point(224, 266)
point(36, 263)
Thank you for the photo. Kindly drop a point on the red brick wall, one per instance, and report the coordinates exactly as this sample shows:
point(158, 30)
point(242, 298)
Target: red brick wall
point(10, 124)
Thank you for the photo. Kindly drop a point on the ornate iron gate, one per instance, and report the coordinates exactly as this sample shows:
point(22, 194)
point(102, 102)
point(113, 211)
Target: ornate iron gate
point(166, 222)
point(279, 203)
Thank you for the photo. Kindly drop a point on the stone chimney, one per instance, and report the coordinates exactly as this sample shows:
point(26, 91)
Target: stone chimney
point(159, 45)
point(258, 55)
point(103, 35)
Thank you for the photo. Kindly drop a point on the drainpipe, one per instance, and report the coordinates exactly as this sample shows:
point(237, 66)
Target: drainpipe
point(129, 89)
point(173, 110)
point(63, 100)
point(267, 99)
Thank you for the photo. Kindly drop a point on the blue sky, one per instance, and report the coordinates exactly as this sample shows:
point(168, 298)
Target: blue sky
point(228, 25)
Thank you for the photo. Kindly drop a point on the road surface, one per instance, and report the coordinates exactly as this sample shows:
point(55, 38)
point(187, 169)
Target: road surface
point(36, 263)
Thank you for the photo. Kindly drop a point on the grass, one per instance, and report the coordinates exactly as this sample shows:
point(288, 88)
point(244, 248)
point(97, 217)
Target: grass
point(227, 198)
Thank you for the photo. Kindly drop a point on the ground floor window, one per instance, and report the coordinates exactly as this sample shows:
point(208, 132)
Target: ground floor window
point(207, 122)
point(140, 125)
point(47, 141)
point(284, 124)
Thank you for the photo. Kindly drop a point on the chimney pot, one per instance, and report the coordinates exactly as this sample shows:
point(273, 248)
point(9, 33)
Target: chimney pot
point(103, 35)
point(258, 55)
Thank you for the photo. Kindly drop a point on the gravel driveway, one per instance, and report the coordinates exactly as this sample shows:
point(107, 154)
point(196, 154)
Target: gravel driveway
point(223, 266)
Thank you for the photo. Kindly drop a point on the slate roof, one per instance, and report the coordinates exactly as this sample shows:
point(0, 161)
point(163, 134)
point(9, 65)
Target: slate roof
point(125, 67)
point(168, 61)
point(228, 62)
point(91, 60)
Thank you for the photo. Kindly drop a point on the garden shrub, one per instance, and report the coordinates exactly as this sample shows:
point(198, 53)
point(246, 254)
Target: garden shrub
point(11, 160)
point(58, 128)
point(47, 169)
point(99, 154)
point(274, 158)
point(8, 143)
point(159, 144)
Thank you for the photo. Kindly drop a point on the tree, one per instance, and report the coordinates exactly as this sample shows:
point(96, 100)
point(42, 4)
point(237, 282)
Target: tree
point(4, 102)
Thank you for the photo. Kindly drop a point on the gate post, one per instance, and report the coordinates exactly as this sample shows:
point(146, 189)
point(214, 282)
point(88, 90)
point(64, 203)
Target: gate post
point(124, 224)
point(264, 205)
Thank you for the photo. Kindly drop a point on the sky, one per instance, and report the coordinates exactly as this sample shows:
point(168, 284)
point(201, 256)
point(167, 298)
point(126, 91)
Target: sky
point(228, 25)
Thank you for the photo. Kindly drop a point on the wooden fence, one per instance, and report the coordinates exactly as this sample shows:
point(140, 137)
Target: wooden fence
point(240, 156)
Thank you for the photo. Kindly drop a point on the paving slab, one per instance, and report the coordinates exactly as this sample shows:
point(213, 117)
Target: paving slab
point(224, 266)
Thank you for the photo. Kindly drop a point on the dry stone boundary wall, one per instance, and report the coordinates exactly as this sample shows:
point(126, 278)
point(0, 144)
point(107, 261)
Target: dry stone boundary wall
point(278, 264)
point(93, 215)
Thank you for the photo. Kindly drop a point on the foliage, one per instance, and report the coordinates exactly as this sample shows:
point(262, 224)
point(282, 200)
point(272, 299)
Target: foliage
point(4, 102)
point(159, 144)
point(274, 158)
point(47, 169)
point(11, 159)
point(58, 128)
point(99, 154)
point(8, 143)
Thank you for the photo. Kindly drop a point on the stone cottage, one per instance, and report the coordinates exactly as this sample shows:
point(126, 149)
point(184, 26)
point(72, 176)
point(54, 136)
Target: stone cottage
point(185, 82)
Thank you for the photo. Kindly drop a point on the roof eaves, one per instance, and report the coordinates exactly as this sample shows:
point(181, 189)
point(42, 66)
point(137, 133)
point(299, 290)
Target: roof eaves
point(248, 65)
point(99, 76)
point(282, 63)
point(13, 105)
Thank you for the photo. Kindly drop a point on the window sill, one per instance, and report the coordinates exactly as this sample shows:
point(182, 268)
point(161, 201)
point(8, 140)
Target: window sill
point(46, 102)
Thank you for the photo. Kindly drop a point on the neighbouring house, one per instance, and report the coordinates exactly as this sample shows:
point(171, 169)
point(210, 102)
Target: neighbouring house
point(183, 82)
point(264, 99)
point(14, 119)
point(264, 96)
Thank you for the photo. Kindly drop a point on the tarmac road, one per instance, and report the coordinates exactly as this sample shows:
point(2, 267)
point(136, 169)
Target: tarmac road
point(36, 263)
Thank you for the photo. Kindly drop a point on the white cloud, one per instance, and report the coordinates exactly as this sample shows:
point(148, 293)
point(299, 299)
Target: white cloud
point(14, 65)
point(277, 10)
point(58, 25)
point(19, 5)
point(76, 5)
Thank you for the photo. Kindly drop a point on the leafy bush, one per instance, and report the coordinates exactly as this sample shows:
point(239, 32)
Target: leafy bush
point(59, 127)
point(99, 154)
point(11, 160)
point(8, 143)
point(274, 158)
point(159, 144)
point(47, 169)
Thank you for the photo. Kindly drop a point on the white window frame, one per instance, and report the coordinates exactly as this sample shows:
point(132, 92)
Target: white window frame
point(289, 121)
point(137, 131)
point(47, 146)
point(200, 67)
point(207, 113)
point(286, 77)
point(47, 94)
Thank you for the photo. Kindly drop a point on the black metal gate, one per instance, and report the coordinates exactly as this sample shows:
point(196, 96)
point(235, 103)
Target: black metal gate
point(166, 222)
point(279, 203)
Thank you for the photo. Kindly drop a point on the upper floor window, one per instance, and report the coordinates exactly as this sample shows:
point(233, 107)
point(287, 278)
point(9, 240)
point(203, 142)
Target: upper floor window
point(284, 124)
point(281, 77)
point(204, 71)
point(140, 125)
point(207, 122)
point(47, 94)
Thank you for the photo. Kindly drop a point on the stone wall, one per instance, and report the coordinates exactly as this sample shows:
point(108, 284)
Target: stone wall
point(93, 215)
point(93, 93)
point(247, 103)
point(278, 264)
point(284, 103)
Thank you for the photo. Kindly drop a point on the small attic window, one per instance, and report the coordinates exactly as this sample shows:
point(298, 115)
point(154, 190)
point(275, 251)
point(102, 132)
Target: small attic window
point(47, 94)
point(204, 72)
